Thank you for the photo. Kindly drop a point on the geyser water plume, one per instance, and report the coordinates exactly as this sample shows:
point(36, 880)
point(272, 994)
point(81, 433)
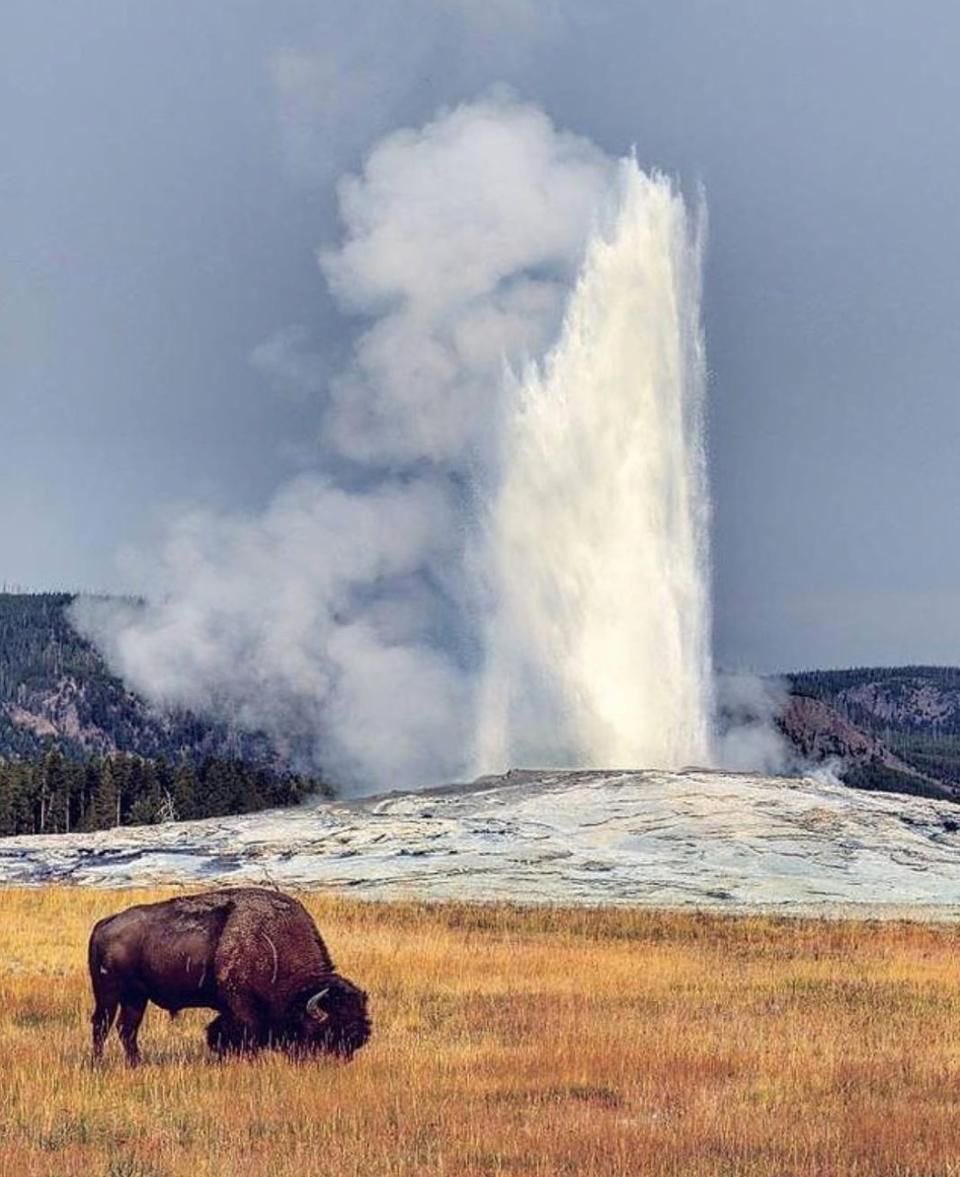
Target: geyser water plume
point(596, 547)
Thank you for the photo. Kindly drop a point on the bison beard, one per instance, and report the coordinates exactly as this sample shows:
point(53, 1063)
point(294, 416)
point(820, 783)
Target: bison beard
point(253, 955)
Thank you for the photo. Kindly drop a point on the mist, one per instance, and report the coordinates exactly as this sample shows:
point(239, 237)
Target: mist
point(341, 620)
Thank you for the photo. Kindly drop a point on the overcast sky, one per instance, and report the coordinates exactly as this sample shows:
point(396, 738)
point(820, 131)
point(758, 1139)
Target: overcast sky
point(168, 175)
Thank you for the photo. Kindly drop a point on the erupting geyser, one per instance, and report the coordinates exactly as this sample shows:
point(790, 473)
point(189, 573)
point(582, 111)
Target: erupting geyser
point(598, 643)
point(482, 571)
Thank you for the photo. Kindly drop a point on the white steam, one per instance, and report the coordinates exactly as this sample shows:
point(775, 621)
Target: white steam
point(463, 238)
point(748, 739)
point(398, 619)
point(311, 622)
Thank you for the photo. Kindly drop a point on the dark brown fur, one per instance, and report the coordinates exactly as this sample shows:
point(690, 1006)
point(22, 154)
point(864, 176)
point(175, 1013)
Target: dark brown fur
point(253, 955)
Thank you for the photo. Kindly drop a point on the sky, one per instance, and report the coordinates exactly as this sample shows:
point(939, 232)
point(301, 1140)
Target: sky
point(169, 174)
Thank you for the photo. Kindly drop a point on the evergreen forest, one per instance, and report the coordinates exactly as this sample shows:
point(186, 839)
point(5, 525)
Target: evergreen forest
point(79, 751)
point(55, 795)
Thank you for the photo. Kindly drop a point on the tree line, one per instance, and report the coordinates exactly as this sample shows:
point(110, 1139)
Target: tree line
point(824, 684)
point(55, 795)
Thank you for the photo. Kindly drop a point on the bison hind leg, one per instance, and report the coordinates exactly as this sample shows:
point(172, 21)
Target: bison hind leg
point(102, 1021)
point(131, 1014)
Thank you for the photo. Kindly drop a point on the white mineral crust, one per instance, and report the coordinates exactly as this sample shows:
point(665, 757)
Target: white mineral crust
point(672, 839)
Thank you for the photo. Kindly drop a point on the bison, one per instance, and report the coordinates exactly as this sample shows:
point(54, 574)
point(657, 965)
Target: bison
point(253, 955)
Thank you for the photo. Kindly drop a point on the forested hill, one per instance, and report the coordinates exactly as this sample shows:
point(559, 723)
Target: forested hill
point(906, 721)
point(56, 692)
point(900, 698)
point(79, 750)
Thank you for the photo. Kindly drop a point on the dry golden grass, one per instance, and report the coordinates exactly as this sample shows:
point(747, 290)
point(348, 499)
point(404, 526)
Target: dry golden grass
point(511, 1041)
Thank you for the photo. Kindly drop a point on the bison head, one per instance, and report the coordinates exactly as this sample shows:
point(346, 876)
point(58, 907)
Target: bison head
point(334, 1019)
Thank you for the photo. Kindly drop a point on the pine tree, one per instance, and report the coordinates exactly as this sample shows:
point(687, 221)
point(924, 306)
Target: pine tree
point(23, 800)
point(145, 796)
point(57, 794)
point(7, 801)
point(184, 790)
point(88, 794)
point(106, 802)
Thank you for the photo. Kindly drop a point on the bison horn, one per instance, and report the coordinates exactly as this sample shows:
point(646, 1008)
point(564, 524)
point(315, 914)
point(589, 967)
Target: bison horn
point(313, 1005)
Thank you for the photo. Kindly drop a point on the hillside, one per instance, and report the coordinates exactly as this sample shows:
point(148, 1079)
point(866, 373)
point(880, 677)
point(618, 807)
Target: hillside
point(80, 751)
point(819, 734)
point(56, 692)
point(894, 727)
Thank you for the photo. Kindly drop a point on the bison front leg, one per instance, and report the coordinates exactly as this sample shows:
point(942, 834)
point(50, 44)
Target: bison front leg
point(226, 1035)
point(217, 1035)
point(131, 1015)
point(223, 1037)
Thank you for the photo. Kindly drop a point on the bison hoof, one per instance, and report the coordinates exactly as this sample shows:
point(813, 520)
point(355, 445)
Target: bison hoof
point(218, 1035)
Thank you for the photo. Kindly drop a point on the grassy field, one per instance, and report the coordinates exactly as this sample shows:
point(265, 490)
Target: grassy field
point(511, 1041)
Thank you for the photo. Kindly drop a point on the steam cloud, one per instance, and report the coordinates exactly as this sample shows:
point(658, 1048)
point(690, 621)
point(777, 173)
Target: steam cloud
point(342, 620)
point(748, 739)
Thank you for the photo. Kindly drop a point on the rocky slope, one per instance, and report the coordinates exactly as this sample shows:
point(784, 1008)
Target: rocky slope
point(907, 717)
point(820, 734)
